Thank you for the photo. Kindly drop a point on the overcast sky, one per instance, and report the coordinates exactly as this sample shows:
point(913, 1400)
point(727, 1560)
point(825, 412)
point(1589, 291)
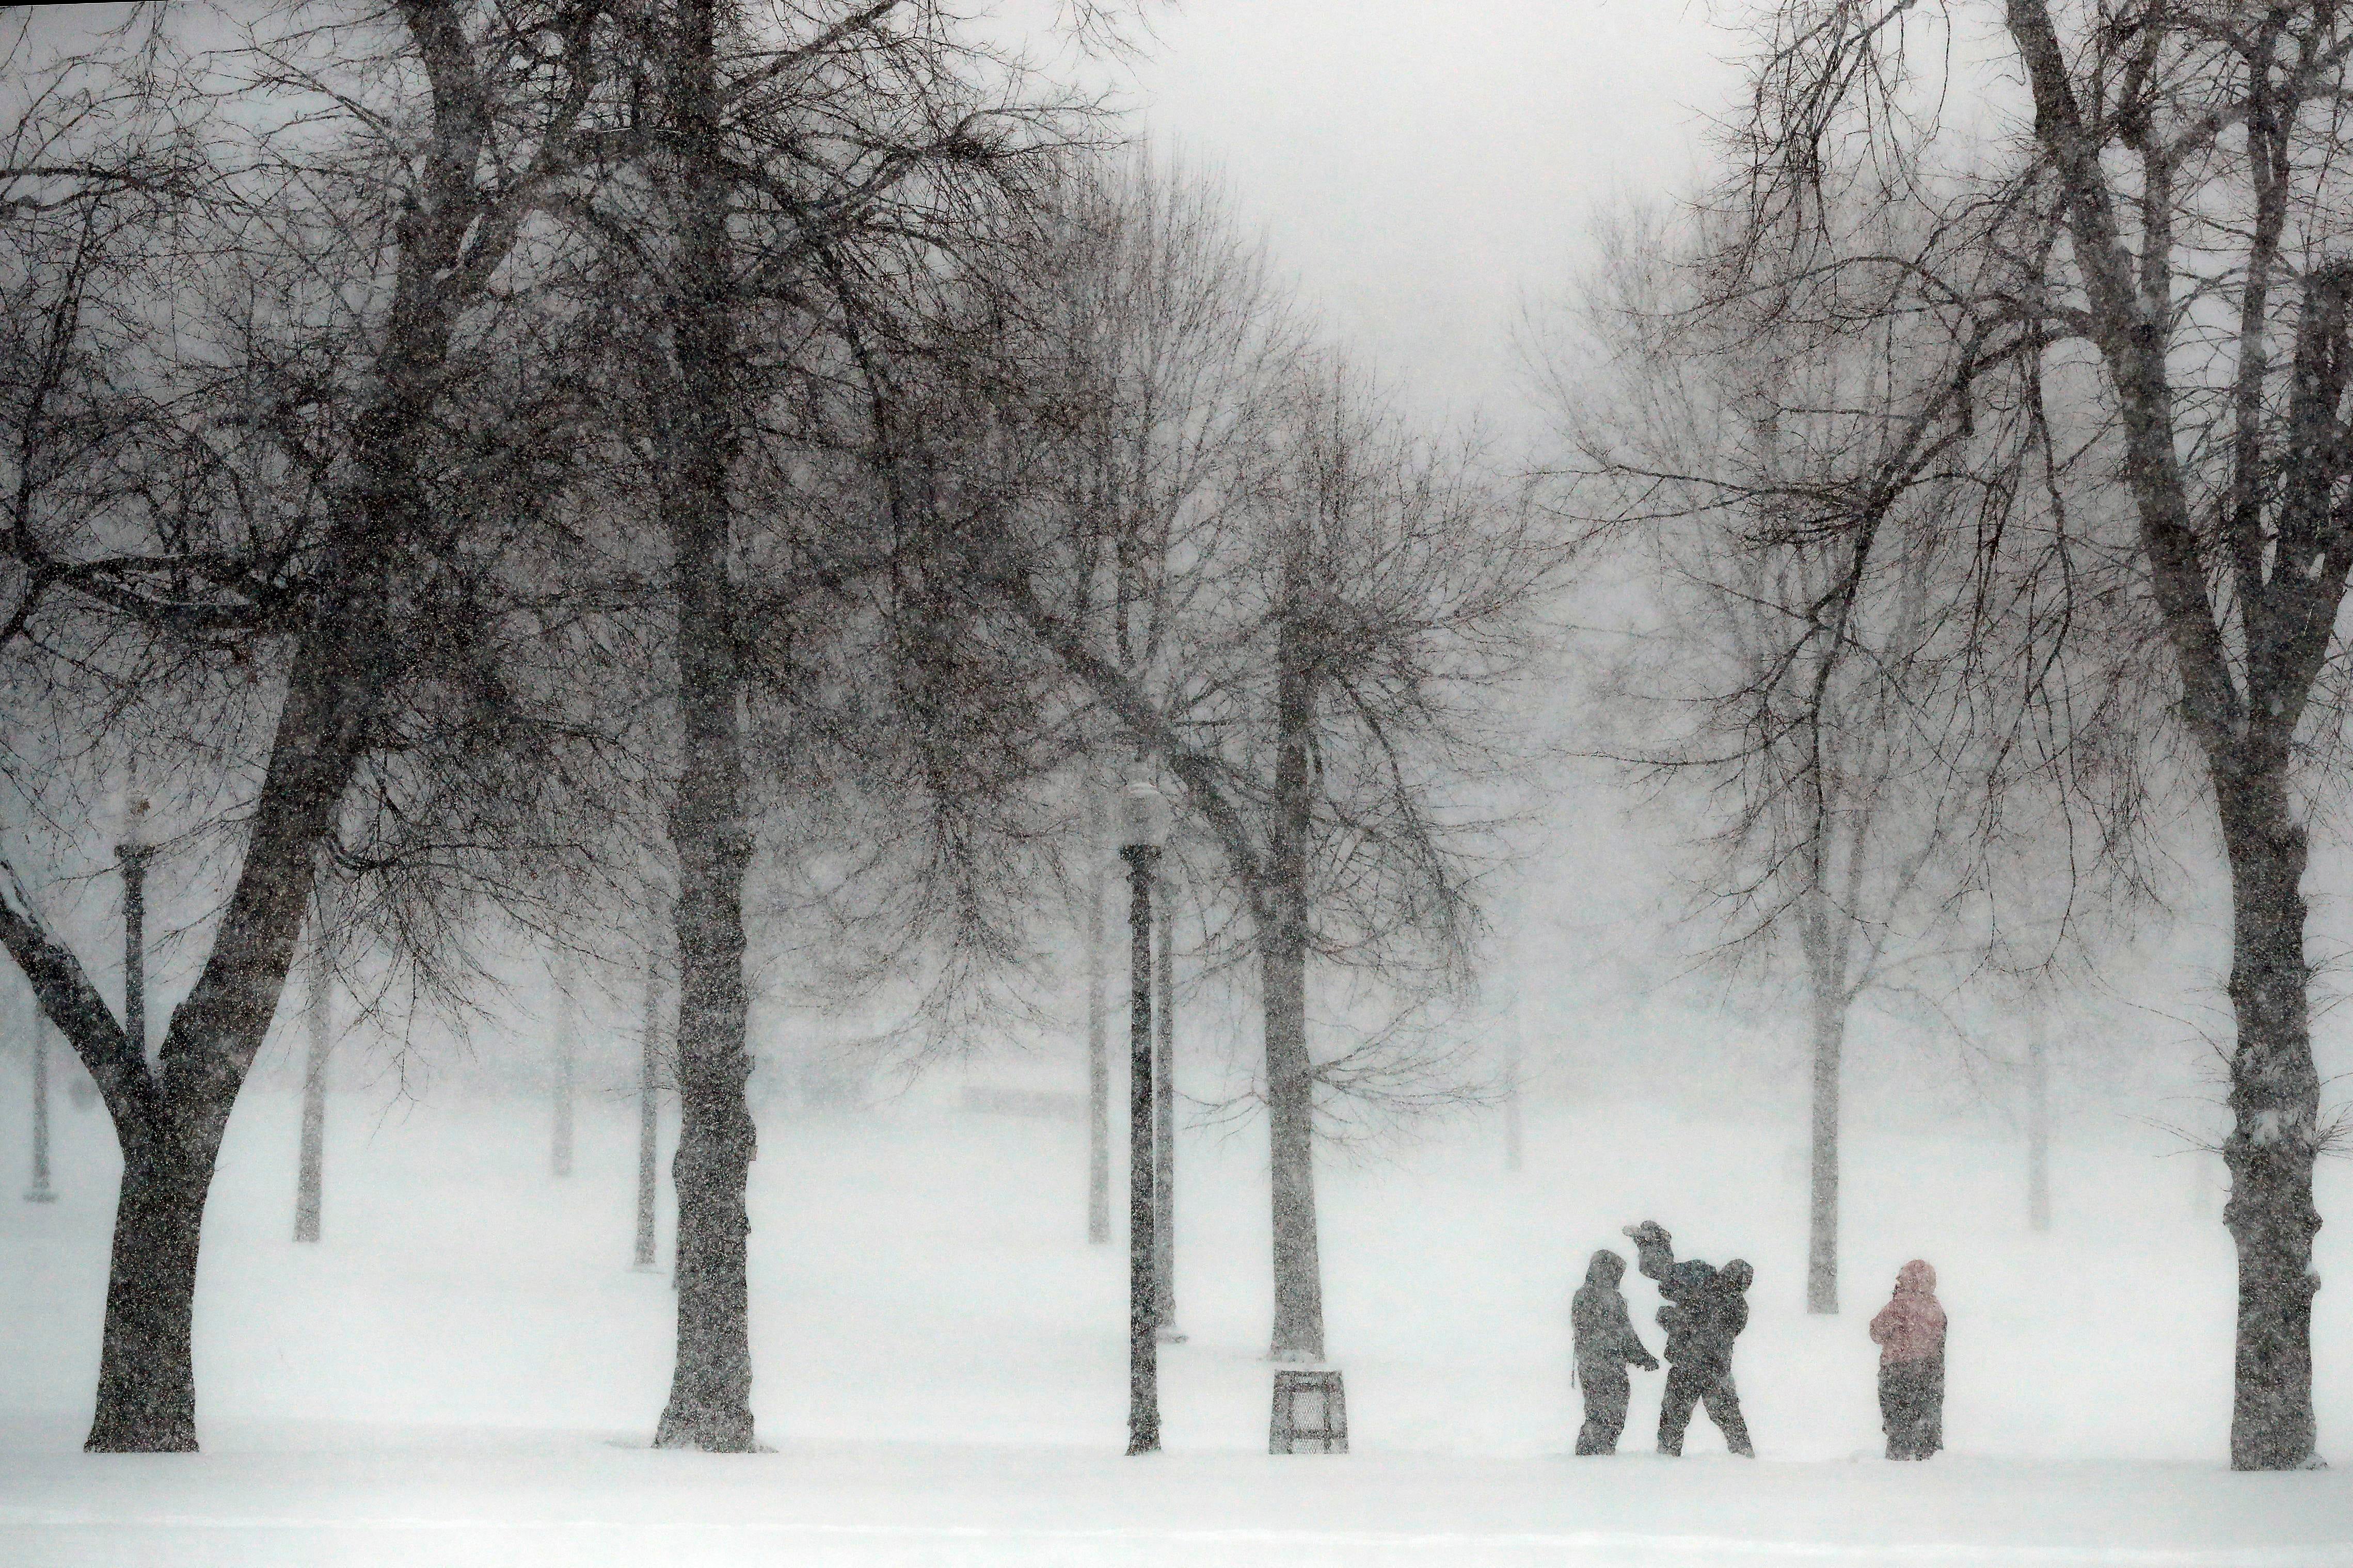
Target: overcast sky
point(1418, 164)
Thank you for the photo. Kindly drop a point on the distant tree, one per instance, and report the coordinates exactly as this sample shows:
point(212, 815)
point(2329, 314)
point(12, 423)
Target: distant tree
point(1313, 612)
point(1790, 701)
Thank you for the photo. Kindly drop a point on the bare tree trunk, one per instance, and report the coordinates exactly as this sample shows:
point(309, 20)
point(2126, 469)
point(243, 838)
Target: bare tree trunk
point(711, 1388)
point(648, 1127)
point(40, 1191)
point(146, 1370)
point(1164, 1125)
point(2274, 1104)
point(1822, 1210)
point(1290, 1066)
point(1097, 1046)
point(2037, 1123)
point(559, 1159)
point(310, 1164)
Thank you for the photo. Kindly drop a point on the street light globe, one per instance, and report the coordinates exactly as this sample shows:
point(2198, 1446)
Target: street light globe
point(124, 817)
point(1143, 817)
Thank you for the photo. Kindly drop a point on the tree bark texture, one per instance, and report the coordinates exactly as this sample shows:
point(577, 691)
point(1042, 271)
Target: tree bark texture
point(710, 1402)
point(310, 1164)
point(2274, 1104)
point(146, 1369)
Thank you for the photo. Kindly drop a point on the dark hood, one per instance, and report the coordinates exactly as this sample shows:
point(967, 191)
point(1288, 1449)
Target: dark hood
point(1606, 1269)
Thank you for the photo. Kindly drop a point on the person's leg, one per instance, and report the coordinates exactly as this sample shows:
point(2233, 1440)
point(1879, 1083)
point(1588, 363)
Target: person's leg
point(1676, 1407)
point(1932, 1406)
point(1723, 1397)
point(1892, 1418)
point(1605, 1413)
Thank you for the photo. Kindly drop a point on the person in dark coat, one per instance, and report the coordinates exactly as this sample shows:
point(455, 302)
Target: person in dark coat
point(1705, 1309)
point(1606, 1345)
point(1910, 1333)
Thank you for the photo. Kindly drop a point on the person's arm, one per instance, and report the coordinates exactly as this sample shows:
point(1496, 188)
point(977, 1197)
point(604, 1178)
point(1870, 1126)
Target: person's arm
point(1631, 1343)
point(1654, 1252)
point(1884, 1325)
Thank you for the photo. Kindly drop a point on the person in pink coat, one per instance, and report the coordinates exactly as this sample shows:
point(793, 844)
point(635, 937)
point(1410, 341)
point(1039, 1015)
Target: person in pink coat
point(1910, 1333)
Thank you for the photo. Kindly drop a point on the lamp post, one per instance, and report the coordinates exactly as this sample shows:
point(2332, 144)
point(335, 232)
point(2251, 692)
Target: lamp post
point(1098, 1051)
point(132, 851)
point(1143, 828)
point(1164, 1129)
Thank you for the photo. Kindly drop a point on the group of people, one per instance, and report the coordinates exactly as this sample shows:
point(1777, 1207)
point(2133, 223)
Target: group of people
point(1703, 1311)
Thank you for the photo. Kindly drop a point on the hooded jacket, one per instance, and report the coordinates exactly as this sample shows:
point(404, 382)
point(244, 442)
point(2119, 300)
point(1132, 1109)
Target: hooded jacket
point(1911, 1327)
point(1604, 1337)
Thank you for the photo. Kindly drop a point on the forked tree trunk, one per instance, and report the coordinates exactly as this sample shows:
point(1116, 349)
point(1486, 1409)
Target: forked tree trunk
point(710, 1402)
point(170, 1118)
point(2275, 1105)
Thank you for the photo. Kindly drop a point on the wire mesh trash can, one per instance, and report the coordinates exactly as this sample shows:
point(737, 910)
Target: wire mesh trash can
point(1311, 1414)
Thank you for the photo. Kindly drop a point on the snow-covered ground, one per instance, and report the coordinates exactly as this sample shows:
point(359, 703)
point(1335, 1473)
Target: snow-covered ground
point(466, 1370)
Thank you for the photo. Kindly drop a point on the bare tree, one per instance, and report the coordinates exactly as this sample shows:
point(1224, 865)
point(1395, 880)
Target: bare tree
point(790, 225)
point(1312, 609)
point(2149, 279)
point(227, 556)
point(1790, 700)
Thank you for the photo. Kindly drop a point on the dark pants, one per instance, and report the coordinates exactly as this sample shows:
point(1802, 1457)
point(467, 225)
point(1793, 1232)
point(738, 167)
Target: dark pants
point(1697, 1383)
point(1912, 1407)
point(1605, 1391)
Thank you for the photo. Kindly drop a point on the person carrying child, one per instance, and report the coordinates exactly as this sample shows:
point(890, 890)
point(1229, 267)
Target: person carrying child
point(1706, 1309)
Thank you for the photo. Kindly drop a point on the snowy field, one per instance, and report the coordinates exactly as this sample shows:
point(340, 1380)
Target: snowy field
point(466, 1370)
